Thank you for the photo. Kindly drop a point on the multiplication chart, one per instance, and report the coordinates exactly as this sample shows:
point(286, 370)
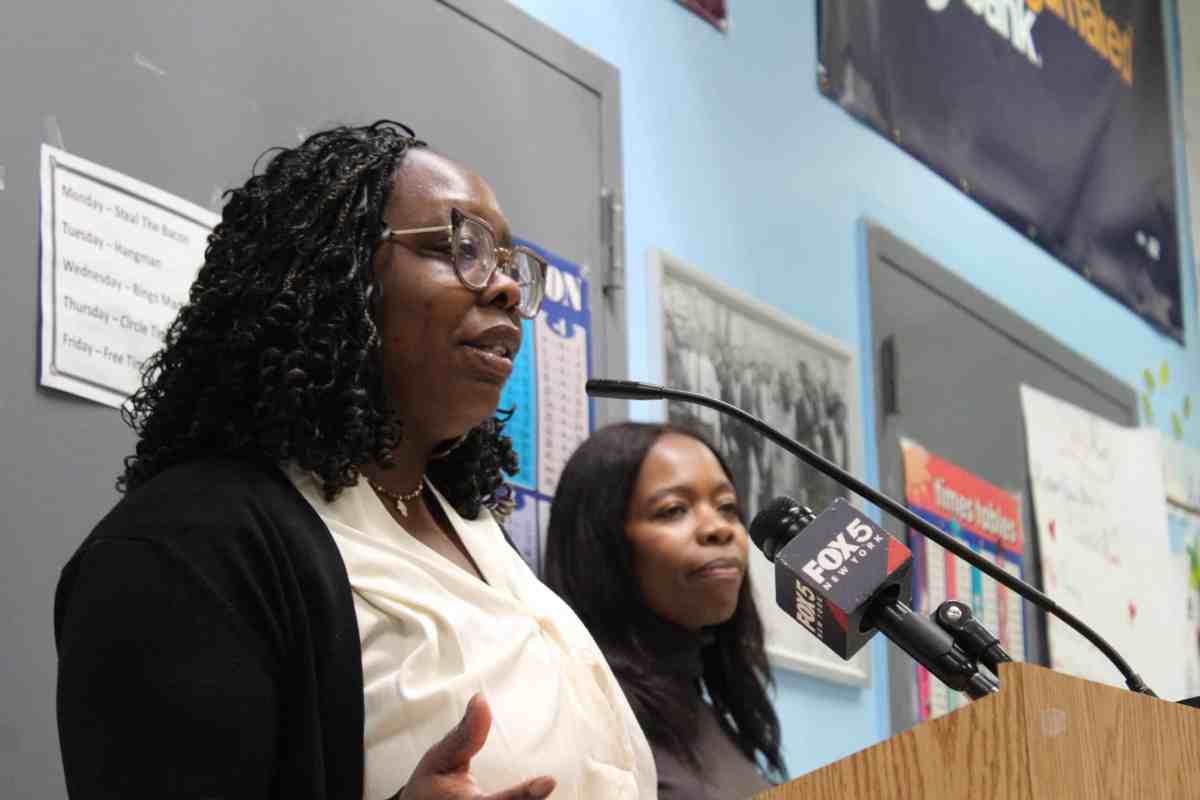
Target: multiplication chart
point(987, 519)
point(551, 411)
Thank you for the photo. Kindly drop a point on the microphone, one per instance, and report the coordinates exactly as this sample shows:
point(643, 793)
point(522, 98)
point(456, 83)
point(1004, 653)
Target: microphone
point(633, 390)
point(623, 390)
point(843, 577)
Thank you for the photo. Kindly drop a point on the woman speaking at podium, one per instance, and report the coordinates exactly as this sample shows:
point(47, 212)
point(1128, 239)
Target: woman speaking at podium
point(646, 542)
point(304, 592)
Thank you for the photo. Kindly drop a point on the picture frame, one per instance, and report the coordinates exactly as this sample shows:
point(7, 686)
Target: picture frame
point(715, 340)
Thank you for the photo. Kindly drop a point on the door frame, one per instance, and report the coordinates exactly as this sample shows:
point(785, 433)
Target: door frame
point(886, 251)
point(609, 338)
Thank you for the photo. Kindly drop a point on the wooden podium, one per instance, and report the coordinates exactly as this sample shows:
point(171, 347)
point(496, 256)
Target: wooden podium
point(1045, 735)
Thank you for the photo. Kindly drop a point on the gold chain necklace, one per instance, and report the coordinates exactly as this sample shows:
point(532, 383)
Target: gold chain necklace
point(400, 500)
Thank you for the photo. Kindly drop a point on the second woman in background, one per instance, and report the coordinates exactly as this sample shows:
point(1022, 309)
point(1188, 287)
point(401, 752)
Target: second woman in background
point(646, 543)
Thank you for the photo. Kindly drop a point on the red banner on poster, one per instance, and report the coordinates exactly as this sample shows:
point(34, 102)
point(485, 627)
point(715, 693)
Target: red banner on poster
point(950, 492)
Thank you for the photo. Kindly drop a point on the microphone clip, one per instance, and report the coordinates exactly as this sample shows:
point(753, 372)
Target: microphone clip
point(980, 644)
point(934, 648)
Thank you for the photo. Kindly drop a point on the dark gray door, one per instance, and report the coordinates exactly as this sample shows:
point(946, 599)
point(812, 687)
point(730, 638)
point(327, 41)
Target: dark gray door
point(184, 96)
point(949, 363)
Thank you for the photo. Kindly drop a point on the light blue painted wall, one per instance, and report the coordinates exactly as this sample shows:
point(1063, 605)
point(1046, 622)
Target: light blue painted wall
point(736, 164)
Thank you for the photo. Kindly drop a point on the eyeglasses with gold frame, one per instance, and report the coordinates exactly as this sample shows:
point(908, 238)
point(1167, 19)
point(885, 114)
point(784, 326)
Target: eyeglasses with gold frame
point(476, 256)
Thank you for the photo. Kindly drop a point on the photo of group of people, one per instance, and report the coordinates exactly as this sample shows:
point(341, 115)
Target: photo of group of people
point(718, 344)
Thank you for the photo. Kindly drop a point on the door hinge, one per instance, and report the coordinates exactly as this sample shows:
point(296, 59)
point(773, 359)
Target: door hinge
point(612, 228)
point(887, 376)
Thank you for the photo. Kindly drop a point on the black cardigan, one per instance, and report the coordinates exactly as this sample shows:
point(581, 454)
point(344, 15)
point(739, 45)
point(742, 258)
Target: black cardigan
point(208, 646)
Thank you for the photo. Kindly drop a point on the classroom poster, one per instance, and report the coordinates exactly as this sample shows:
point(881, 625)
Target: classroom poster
point(551, 412)
point(118, 258)
point(987, 519)
point(1101, 521)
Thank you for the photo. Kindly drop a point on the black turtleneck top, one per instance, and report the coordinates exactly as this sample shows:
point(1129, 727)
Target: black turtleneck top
point(725, 773)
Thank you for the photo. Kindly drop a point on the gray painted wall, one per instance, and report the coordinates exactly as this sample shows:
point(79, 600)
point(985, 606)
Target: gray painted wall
point(185, 96)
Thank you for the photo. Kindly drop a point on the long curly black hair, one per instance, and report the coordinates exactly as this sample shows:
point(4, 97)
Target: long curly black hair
point(586, 529)
point(275, 356)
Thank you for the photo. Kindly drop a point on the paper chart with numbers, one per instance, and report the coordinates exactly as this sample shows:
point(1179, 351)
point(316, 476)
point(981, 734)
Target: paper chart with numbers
point(987, 519)
point(552, 414)
point(118, 258)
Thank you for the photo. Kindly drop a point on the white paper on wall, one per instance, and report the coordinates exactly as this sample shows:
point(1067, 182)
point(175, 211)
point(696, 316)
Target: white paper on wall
point(118, 257)
point(1101, 521)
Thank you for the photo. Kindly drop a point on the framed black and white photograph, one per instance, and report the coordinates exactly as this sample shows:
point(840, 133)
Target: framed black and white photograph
point(719, 342)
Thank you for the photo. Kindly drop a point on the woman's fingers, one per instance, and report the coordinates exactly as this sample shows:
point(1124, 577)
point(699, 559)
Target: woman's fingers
point(456, 749)
point(444, 772)
point(535, 789)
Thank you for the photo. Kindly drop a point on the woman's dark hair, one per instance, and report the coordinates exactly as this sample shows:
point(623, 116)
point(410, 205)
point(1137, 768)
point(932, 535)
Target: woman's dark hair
point(275, 356)
point(586, 530)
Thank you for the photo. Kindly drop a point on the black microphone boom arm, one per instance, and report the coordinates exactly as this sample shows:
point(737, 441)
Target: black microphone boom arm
point(633, 390)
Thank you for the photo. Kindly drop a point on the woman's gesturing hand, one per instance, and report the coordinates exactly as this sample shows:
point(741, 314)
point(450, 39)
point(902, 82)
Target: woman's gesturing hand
point(444, 772)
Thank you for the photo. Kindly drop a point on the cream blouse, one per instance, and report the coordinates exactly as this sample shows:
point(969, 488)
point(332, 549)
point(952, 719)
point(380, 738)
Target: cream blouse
point(433, 634)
